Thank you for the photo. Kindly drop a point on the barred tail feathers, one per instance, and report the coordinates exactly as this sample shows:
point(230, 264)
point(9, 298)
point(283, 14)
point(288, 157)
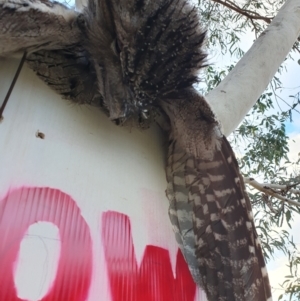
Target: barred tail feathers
point(212, 218)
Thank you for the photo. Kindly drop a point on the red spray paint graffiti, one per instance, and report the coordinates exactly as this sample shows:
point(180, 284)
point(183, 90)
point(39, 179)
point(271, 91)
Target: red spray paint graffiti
point(153, 280)
point(22, 208)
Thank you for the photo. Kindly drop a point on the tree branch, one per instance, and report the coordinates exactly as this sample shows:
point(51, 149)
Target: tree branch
point(270, 189)
point(247, 13)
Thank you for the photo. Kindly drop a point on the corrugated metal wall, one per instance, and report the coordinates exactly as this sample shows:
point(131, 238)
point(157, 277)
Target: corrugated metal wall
point(83, 212)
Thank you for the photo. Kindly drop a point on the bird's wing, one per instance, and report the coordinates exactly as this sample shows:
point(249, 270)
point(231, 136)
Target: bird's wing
point(213, 222)
point(69, 73)
point(31, 25)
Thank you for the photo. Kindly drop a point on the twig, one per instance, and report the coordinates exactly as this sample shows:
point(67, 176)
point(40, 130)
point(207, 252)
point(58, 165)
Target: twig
point(269, 190)
point(251, 15)
point(247, 13)
point(268, 202)
point(5, 101)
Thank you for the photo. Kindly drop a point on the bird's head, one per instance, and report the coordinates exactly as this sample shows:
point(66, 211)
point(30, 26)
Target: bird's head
point(142, 51)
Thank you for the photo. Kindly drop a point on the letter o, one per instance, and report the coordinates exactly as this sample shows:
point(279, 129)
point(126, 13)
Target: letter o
point(23, 207)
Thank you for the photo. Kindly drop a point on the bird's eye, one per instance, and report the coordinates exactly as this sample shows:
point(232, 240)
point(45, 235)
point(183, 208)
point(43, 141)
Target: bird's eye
point(116, 47)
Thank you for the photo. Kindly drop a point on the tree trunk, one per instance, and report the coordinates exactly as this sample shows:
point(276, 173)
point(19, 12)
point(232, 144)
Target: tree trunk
point(239, 91)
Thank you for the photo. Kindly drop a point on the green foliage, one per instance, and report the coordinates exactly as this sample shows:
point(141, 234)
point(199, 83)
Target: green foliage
point(292, 283)
point(260, 142)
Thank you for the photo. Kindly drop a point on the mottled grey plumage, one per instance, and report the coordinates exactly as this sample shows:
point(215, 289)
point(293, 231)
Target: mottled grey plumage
point(38, 24)
point(135, 58)
point(212, 220)
point(69, 72)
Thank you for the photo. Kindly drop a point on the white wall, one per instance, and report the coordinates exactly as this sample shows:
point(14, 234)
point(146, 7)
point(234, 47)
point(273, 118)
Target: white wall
point(102, 167)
